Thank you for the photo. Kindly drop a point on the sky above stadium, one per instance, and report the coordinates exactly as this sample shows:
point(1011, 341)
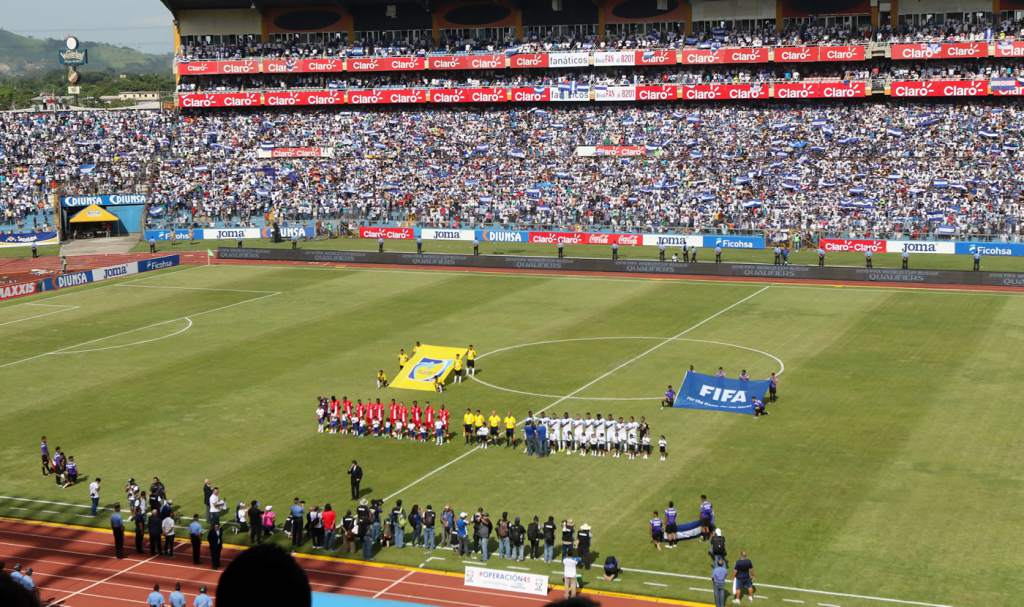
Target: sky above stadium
point(141, 24)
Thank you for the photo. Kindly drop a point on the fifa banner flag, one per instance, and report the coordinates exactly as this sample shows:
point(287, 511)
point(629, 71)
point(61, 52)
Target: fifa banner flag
point(712, 393)
point(427, 364)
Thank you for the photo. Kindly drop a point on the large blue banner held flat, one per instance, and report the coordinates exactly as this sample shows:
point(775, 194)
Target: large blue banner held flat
point(711, 393)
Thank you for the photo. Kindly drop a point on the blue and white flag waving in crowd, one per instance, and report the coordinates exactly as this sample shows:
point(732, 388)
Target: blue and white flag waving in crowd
point(710, 393)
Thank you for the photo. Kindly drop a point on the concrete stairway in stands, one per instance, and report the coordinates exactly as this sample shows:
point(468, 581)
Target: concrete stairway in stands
point(100, 246)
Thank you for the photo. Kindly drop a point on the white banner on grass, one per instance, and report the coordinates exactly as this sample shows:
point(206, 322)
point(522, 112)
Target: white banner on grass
point(511, 581)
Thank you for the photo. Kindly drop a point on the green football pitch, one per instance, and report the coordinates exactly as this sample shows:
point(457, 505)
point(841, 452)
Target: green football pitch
point(889, 468)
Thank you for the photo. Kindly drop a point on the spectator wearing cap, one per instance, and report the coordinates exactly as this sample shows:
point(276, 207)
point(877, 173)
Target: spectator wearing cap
point(268, 520)
point(461, 531)
point(583, 539)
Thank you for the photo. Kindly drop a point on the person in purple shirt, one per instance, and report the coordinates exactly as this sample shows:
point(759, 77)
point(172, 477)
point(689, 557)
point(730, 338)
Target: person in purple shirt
point(707, 517)
point(773, 386)
point(670, 524)
point(44, 452)
point(670, 397)
point(657, 531)
point(72, 470)
point(720, 372)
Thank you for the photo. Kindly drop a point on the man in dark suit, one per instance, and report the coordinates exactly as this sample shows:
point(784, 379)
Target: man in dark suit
point(207, 492)
point(155, 533)
point(355, 474)
point(216, 540)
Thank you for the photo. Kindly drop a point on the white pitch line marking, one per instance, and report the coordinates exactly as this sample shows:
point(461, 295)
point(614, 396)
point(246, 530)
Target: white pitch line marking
point(827, 605)
point(656, 584)
point(518, 568)
point(795, 589)
point(695, 589)
point(108, 578)
point(51, 313)
point(597, 379)
point(135, 286)
point(797, 601)
point(134, 343)
point(149, 326)
point(782, 365)
point(393, 584)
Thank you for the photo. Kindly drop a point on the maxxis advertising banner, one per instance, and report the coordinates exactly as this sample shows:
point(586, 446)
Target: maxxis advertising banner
point(19, 290)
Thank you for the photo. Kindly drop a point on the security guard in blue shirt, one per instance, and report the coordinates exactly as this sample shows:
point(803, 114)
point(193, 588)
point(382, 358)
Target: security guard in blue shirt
point(906, 259)
point(195, 535)
point(117, 526)
point(977, 261)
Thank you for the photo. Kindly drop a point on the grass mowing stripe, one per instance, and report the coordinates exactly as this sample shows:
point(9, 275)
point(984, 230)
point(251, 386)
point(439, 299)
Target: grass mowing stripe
point(149, 326)
point(794, 589)
point(591, 383)
point(52, 312)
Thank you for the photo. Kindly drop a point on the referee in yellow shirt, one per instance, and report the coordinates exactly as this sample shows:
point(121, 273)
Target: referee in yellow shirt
point(478, 422)
point(510, 430)
point(471, 360)
point(493, 422)
point(458, 368)
point(467, 425)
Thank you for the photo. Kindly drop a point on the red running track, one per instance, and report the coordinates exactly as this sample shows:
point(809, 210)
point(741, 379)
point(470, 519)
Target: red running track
point(76, 567)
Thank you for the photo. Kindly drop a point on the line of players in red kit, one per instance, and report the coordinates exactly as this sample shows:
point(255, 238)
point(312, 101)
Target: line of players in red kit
point(369, 419)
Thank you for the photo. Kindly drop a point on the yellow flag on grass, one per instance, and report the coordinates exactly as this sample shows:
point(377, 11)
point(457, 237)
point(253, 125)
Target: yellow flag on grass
point(427, 364)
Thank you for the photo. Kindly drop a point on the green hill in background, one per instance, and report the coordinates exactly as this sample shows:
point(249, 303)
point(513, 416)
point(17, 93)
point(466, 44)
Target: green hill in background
point(20, 55)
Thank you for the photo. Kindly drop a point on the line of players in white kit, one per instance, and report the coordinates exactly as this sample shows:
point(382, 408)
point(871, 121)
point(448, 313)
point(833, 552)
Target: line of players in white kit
point(588, 435)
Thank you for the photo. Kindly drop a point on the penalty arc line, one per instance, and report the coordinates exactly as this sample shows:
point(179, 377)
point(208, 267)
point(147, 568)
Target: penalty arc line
point(50, 313)
point(590, 383)
point(149, 326)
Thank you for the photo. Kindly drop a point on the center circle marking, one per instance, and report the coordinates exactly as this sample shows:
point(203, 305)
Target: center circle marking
point(782, 365)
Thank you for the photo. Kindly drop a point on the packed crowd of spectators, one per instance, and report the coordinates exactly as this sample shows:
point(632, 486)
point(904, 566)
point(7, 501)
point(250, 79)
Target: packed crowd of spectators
point(762, 33)
point(886, 168)
point(867, 70)
point(88, 153)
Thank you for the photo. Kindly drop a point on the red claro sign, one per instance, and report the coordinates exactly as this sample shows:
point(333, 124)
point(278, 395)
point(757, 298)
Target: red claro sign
point(300, 66)
point(937, 50)
point(388, 233)
point(801, 54)
point(385, 64)
point(939, 88)
point(724, 55)
point(723, 91)
point(493, 61)
point(383, 96)
point(820, 90)
point(205, 100)
point(243, 66)
point(286, 98)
